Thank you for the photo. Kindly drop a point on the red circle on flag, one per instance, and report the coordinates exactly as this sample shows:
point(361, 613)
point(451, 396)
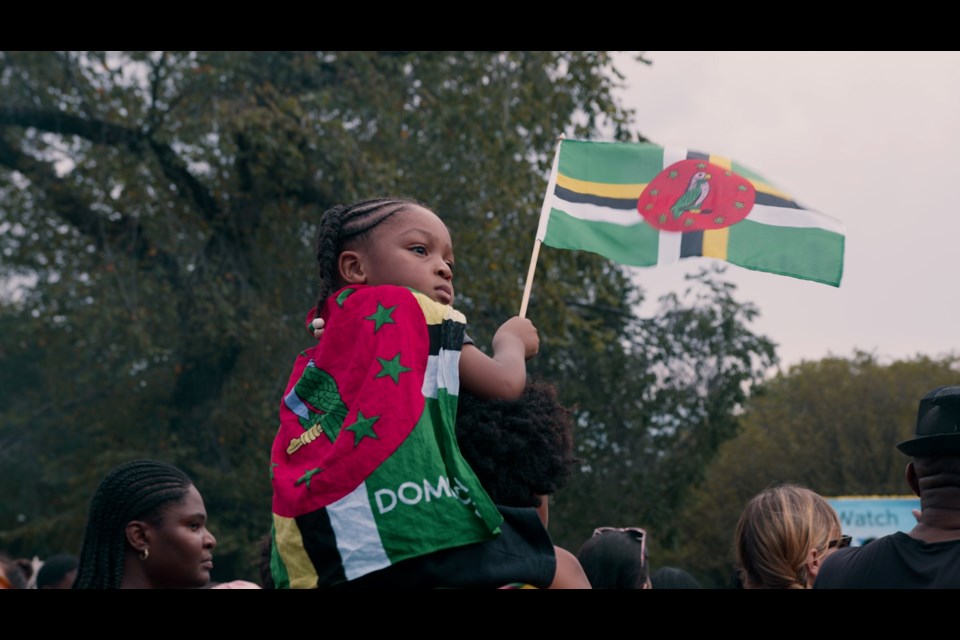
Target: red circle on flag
point(695, 195)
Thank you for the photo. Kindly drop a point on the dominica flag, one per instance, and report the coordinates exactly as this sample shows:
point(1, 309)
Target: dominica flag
point(644, 205)
point(365, 467)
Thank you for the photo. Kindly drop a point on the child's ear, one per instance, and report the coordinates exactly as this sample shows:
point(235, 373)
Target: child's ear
point(350, 266)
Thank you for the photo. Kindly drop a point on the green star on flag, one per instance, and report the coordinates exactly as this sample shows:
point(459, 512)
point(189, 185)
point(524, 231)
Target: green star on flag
point(363, 428)
point(392, 368)
point(382, 316)
point(306, 477)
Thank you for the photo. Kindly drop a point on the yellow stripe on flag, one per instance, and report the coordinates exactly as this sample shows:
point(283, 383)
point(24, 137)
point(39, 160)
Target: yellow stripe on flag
point(624, 191)
point(720, 161)
point(763, 187)
point(759, 185)
point(715, 243)
point(290, 545)
point(436, 312)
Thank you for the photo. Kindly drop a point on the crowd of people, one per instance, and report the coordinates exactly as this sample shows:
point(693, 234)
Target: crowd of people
point(57, 571)
point(407, 457)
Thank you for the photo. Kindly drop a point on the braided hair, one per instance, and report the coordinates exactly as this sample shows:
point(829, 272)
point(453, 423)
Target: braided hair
point(138, 490)
point(343, 224)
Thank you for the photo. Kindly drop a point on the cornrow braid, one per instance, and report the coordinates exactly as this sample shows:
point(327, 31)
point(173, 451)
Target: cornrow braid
point(137, 490)
point(344, 223)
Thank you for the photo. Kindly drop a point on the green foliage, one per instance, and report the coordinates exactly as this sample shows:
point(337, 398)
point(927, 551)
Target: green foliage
point(157, 215)
point(673, 385)
point(830, 425)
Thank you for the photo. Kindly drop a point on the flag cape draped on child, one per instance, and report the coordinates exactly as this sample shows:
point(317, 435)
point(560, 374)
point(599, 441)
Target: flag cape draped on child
point(645, 205)
point(365, 466)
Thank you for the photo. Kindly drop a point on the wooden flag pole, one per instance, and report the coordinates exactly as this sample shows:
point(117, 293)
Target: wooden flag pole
point(541, 230)
point(529, 283)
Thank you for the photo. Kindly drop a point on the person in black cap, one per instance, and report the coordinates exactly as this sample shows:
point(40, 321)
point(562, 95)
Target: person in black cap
point(929, 555)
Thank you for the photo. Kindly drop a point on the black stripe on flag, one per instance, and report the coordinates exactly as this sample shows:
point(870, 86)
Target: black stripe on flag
point(584, 198)
point(448, 335)
point(691, 244)
point(775, 201)
point(697, 155)
point(452, 336)
point(320, 543)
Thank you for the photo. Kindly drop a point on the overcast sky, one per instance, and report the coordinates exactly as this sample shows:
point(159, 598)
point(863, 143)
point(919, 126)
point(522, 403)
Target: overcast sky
point(870, 138)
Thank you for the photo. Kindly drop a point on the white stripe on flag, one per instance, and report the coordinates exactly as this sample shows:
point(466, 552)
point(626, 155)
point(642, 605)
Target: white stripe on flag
point(672, 155)
point(443, 371)
point(597, 213)
point(668, 248)
point(789, 217)
point(355, 528)
point(764, 214)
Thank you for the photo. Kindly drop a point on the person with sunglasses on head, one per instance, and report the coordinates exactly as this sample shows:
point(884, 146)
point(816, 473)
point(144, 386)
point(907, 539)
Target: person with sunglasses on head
point(928, 556)
point(783, 537)
point(616, 558)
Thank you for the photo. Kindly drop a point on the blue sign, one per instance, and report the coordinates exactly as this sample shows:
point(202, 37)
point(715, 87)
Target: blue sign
point(869, 517)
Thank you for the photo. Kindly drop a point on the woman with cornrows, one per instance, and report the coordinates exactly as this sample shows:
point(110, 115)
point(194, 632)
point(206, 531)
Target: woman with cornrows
point(147, 529)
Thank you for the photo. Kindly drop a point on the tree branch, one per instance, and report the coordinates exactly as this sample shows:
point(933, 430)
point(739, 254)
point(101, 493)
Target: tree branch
point(125, 235)
point(96, 131)
point(106, 133)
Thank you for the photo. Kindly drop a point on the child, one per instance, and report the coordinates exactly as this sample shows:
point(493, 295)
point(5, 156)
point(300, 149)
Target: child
point(370, 488)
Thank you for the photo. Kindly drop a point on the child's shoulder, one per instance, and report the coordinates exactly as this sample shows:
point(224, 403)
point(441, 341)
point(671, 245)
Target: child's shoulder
point(354, 294)
point(388, 295)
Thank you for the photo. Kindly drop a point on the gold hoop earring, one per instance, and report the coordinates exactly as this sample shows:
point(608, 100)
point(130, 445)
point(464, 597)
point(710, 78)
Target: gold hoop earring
point(145, 554)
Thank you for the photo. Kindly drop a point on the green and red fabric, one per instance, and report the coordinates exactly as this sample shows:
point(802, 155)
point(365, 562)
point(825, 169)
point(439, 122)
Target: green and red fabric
point(365, 466)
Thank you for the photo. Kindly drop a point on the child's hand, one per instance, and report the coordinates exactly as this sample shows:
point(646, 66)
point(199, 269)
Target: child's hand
point(521, 329)
point(316, 326)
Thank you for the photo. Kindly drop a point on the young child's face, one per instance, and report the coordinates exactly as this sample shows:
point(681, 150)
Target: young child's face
point(412, 249)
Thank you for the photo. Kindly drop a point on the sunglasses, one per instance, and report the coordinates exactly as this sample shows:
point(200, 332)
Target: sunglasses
point(638, 534)
point(840, 543)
